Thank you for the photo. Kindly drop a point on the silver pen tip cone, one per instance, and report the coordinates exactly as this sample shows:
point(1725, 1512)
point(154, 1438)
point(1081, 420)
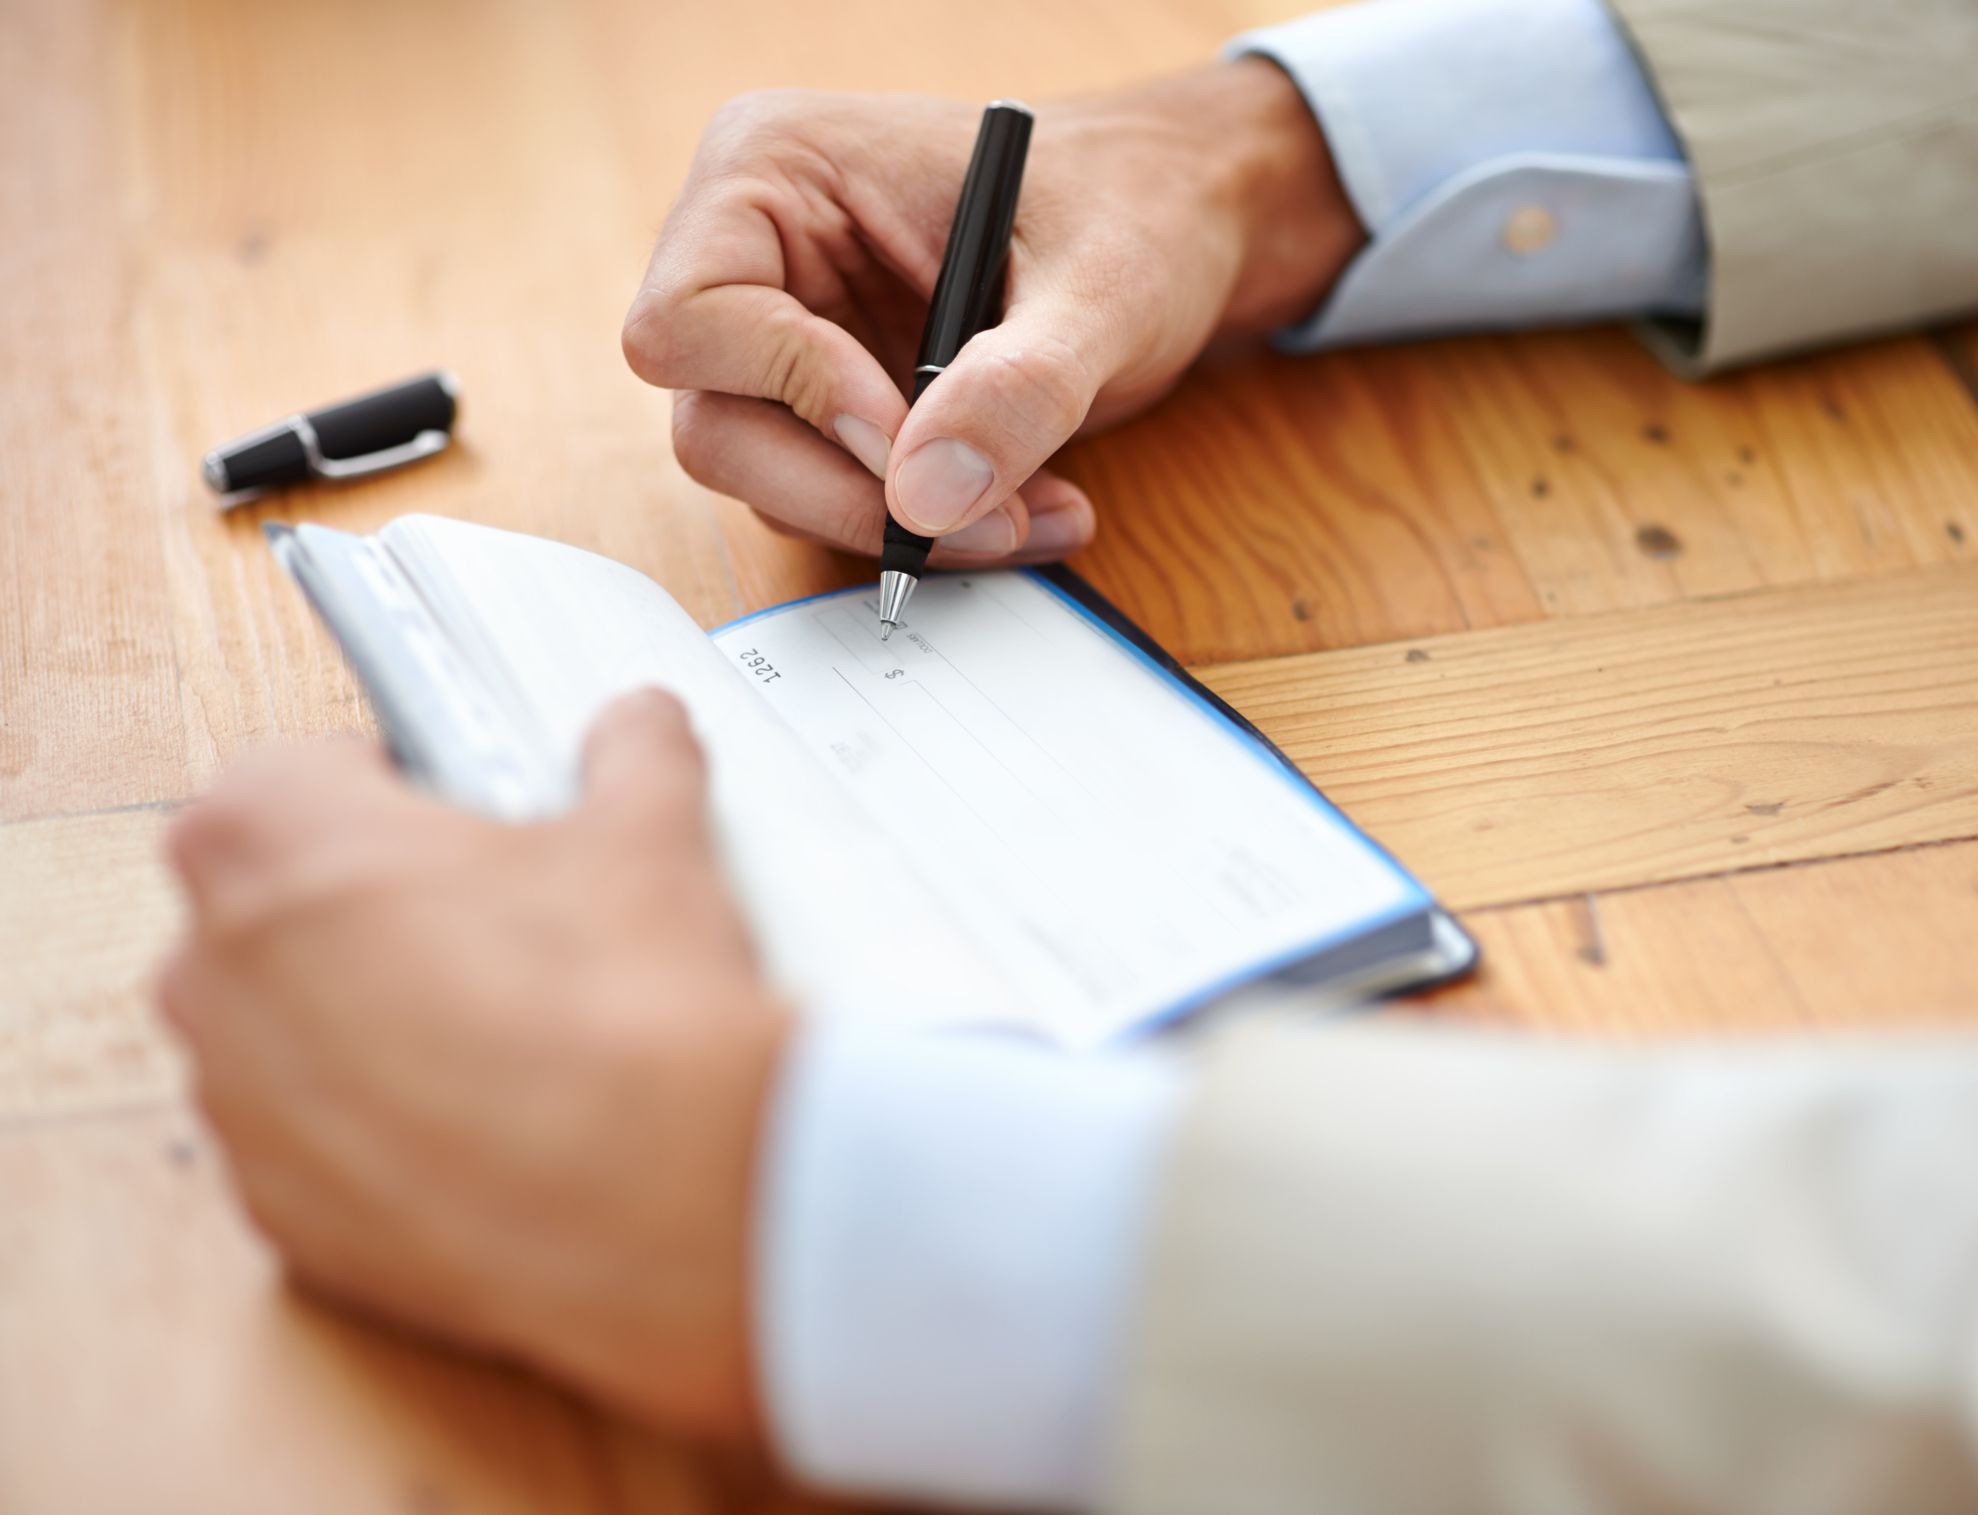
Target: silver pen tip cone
point(885, 630)
point(895, 589)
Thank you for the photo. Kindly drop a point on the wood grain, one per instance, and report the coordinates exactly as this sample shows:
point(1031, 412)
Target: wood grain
point(89, 710)
point(1859, 942)
point(1645, 490)
point(1275, 505)
point(1674, 684)
point(172, 1370)
point(85, 913)
point(1651, 745)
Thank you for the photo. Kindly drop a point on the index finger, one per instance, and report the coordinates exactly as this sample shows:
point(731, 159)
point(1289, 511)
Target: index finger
point(715, 312)
point(268, 807)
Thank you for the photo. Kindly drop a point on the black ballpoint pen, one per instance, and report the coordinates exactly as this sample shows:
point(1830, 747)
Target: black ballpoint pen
point(968, 298)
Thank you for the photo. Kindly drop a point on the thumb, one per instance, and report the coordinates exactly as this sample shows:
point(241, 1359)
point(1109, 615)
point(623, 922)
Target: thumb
point(642, 765)
point(1012, 397)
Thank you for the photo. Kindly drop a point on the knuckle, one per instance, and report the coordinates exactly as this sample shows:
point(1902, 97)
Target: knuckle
point(210, 829)
point(741, 116)
point(648, 340)
point(247, 844)
point(752, 132)
point(695, 442)
point(793, 371)
point(858, 528)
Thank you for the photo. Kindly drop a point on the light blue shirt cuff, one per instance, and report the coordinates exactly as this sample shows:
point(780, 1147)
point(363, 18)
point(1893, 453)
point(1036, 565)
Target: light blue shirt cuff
point(1508, 160)
point(948, 1240)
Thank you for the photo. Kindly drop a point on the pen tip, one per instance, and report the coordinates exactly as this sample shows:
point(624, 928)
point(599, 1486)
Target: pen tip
point(885, 630)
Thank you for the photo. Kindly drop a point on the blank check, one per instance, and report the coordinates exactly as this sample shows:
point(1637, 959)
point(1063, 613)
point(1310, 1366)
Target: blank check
point(1016, 811)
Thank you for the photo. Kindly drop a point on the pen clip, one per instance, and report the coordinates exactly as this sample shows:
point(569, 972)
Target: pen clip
point(424, 445)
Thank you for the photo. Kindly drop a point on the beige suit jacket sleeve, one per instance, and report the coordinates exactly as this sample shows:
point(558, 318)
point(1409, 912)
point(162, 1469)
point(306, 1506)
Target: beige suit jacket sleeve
point(1405, 1268)
point(1835, 146)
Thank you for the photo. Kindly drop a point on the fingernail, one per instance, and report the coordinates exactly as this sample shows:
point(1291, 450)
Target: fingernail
point(939, 483)
point(865, 442)
point(994, 533)
point(1060, 531)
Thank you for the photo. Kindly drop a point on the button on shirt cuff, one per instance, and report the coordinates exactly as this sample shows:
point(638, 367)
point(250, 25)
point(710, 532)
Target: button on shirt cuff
point(1508, 160)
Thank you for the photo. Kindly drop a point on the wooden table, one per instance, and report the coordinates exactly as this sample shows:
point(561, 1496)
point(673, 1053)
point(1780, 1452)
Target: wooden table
point(1670, 690)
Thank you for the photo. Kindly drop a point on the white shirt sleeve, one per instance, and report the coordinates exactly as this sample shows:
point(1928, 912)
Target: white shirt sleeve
point(947, 1242)
point(1508, 160)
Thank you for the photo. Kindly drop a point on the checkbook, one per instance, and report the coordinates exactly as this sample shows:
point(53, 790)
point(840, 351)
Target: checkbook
point(1016, 812)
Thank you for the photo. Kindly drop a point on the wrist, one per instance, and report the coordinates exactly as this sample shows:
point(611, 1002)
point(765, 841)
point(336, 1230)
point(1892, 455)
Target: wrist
point(742, 1082)
point(663, 1328)
point(1299, 229)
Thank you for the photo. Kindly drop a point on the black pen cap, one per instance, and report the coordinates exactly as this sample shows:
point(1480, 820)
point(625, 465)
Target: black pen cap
point(385, 429)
